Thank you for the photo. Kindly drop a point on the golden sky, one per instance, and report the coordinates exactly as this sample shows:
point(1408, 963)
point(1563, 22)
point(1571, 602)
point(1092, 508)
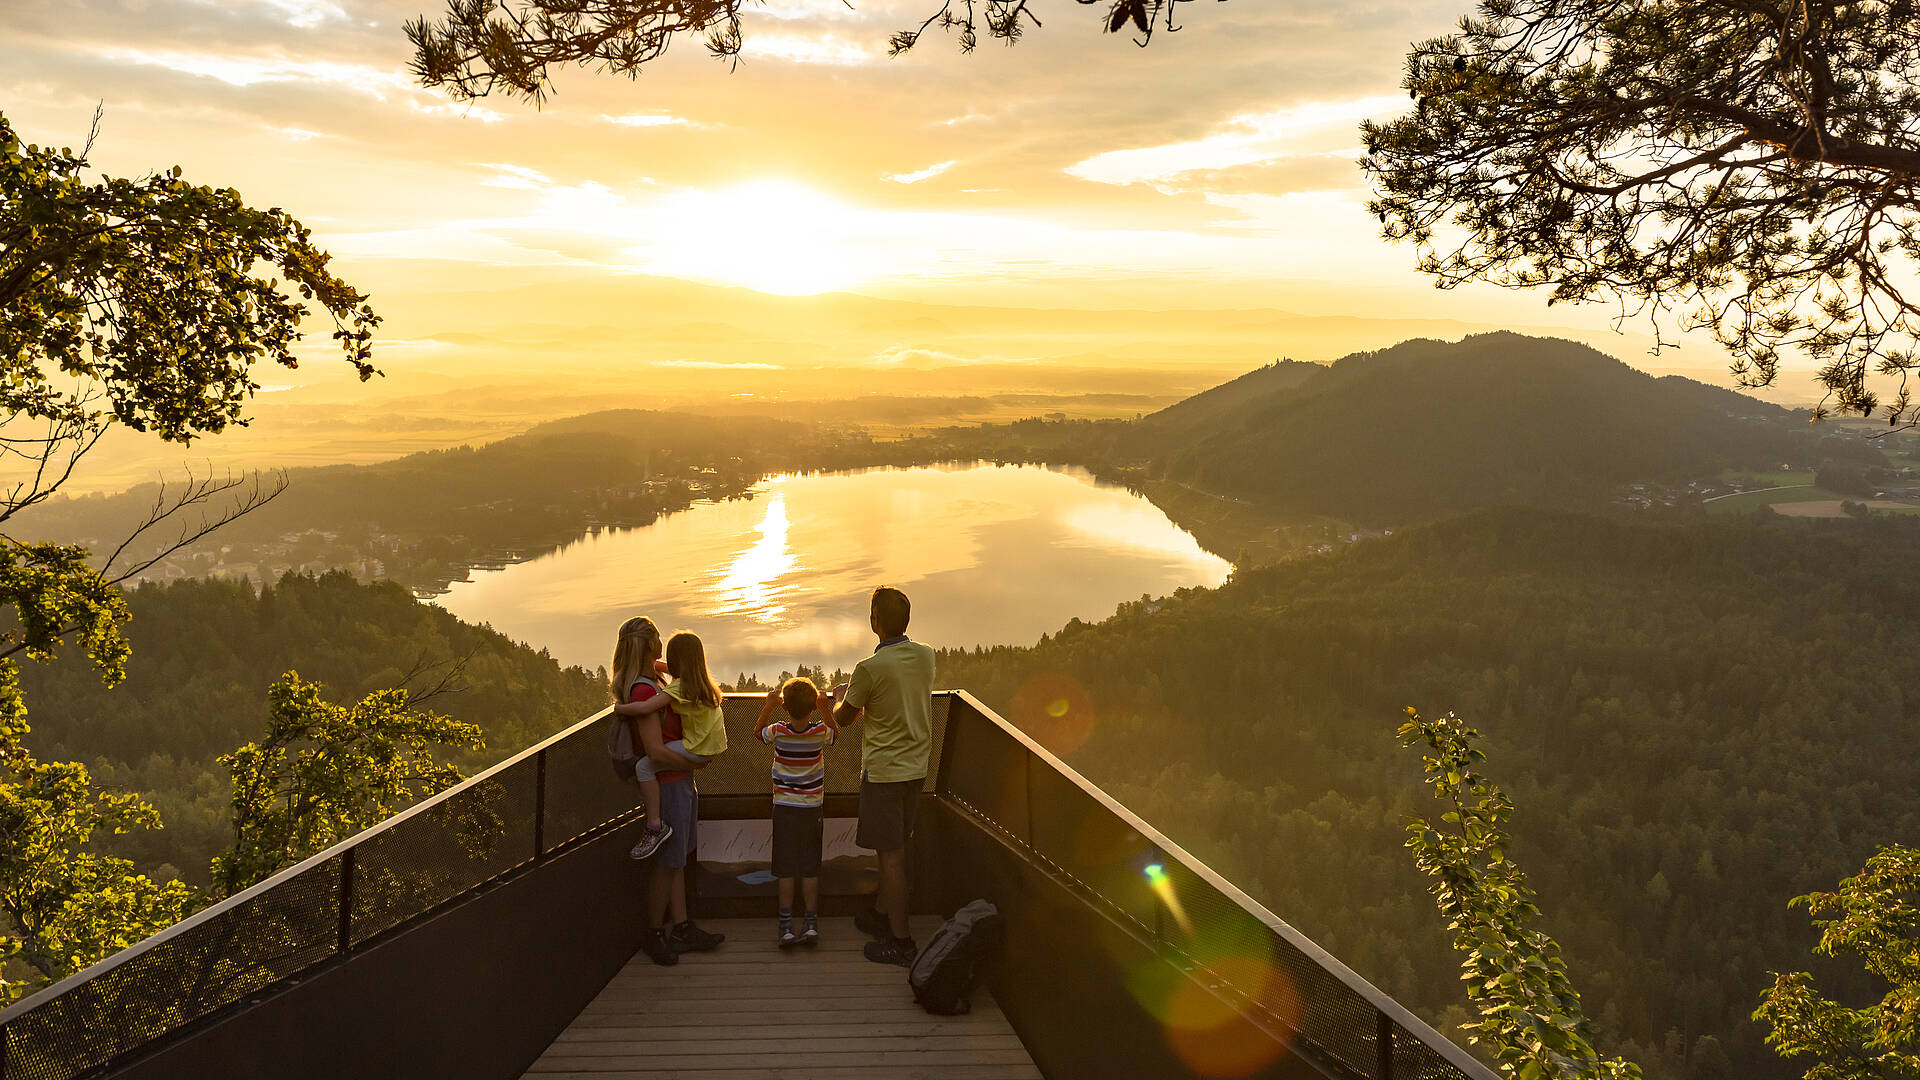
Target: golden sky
point(1075, 172)
point(1215, 168)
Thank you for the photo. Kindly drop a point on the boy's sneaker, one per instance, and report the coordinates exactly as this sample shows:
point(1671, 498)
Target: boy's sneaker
point(651, 838)
point(870, 922)
point(690, 938)
point(897, 951)
point(811, 935)
point(658, 949)
point(788, 939)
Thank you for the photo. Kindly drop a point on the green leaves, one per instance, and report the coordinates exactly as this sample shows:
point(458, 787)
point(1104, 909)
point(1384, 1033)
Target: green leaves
point(1875, 920)
point(1530, 1014)
point(1701, 163)
point(159, 295)
point(323, 772)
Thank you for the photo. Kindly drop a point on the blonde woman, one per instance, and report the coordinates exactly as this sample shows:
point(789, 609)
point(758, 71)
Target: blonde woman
point(672, 804)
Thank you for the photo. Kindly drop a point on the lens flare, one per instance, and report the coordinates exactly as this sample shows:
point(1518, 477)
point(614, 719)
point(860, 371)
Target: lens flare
point(1229, 1010)
point(1163, 888)
point(1226, 1025)
point(1055, 709)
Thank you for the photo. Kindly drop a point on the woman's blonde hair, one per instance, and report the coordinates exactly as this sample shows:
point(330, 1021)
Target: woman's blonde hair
point(633, 655)
point(687, 661)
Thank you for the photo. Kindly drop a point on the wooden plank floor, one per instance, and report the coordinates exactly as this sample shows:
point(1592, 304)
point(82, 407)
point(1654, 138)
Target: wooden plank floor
point(752, 1011)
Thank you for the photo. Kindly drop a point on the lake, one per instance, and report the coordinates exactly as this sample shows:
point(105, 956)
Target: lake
point(988, 554)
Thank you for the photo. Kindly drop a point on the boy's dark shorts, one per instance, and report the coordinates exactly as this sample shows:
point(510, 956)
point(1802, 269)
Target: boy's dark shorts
point(886, 813)
point(679, 808)
point(796, 841)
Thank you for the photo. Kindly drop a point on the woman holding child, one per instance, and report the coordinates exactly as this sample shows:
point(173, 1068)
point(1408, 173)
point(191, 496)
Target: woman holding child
point(675, 729)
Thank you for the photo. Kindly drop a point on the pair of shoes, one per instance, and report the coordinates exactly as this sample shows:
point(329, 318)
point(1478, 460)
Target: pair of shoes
point(650, 840)
point(897, 951)
point(788, 939)
point(689, 938)
point(870, 922)
point(658, 948)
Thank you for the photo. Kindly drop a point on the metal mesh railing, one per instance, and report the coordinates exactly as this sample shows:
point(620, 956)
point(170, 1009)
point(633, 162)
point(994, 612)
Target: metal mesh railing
point(518, 812)
point(190, 972)
point(1272, 976)
point(562, 791)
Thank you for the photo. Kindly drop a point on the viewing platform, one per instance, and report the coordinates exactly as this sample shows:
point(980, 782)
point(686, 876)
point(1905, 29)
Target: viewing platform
point(492, 932)
point(754, 1011)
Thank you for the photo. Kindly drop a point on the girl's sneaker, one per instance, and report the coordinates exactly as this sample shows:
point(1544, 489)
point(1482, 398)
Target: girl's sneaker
point(651, 838)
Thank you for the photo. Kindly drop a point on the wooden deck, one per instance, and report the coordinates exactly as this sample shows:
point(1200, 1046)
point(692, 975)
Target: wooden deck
point(752, 1011)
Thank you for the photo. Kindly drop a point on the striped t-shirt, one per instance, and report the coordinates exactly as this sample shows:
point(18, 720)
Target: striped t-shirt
point(799, 760)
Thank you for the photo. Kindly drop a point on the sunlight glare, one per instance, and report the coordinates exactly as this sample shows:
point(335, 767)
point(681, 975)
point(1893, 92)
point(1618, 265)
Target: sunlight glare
point(748, 587)
point(773, 236)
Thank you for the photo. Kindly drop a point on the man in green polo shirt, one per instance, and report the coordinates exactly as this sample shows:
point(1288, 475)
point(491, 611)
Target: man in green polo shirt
point(895, 688)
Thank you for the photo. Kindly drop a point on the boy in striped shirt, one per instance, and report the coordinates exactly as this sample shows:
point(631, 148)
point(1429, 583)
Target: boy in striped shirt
point(799, 739)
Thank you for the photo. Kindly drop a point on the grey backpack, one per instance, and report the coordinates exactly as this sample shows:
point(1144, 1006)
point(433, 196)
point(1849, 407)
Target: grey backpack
point(621, 752)
point(956, 958)
point(620, 748)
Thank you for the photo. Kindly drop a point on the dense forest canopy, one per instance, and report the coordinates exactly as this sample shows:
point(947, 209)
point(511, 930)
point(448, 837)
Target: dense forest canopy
point(1697, 722)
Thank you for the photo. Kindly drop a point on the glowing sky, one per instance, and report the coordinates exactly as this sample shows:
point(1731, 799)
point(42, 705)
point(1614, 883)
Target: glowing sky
point(1206, 170)
point(1071, 215)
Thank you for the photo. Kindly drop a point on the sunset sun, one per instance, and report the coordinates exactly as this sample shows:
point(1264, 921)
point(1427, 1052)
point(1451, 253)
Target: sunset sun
point(774, 236)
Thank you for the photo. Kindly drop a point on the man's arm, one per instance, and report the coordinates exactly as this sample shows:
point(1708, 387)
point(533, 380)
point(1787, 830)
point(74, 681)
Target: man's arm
point(843, 713)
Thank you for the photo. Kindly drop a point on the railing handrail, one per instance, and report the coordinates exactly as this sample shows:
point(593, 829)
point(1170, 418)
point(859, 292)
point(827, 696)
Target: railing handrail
point(1373, 995)
point(213, 911)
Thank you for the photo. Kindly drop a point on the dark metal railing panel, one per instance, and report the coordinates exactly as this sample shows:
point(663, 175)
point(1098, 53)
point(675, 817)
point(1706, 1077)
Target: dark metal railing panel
point(477, 835)
point(244, 948)
point(1222, 936)
point(539, 801)
point(986, 768)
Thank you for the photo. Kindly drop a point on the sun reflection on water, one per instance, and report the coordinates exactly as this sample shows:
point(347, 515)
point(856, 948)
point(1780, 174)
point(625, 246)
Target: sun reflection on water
point(750, 586)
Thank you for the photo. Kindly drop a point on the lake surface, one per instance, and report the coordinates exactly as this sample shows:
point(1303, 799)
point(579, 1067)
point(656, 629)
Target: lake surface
point(988, 554)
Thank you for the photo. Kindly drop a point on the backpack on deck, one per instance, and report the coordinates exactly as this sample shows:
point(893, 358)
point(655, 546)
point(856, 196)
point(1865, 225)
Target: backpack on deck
point(955, 960)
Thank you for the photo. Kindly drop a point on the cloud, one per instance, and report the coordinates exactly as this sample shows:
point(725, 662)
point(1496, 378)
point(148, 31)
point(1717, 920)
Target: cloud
point(830, 49)
point(651, 119)
point(917, 357)
point(927, 173)
point(517, 177)
point(717, 365)
point(1318, 129)
point(246, 71)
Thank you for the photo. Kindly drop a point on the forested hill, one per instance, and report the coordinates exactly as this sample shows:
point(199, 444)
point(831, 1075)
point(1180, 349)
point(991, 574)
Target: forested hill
point(204, 653)
point(1428, 427)
point(1697, 722)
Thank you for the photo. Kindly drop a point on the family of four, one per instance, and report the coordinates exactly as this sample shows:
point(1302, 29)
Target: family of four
point(674, 729)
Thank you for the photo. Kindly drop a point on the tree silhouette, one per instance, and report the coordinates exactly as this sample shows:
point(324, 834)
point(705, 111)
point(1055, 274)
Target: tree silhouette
point(478, 47)
point(1747, 168)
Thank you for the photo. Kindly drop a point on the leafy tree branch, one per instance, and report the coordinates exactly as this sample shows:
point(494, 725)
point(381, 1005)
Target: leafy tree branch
point(1746, 167)
point(1530, 1014)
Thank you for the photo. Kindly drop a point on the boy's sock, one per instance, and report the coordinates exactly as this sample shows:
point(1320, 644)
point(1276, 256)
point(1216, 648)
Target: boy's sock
point(813, 920)
point(786, 919)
